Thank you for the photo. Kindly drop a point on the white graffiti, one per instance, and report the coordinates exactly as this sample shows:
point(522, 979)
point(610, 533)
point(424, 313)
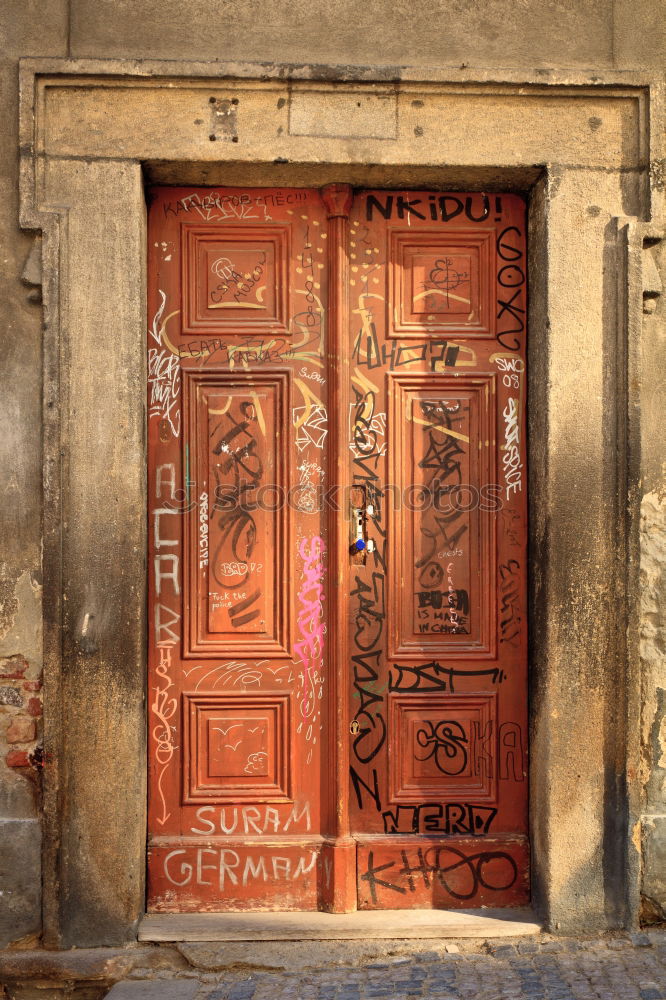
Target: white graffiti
point(311, 424)
point(313, 376)
point(164, 707)
point(256, 762)
point(307, 497)
point(513, 476)
point(249, 819)
point(226, 864)
point(163, 374)
point(223, 268)
point(230, 674)
point(513, 369)
point(216, 207)
point(169, 573)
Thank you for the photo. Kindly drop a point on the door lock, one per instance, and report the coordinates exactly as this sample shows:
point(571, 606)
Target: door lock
point(358, 515)
point(360, 511)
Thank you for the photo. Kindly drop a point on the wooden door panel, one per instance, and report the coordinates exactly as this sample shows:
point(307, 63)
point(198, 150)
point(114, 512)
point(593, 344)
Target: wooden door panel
point(441, 429)
point(441, 284)
point(443, 873)
point(435, 739)
point(236, 281)
point(236, 873)
point(237, 604)
point(238, 554)
point(438, 798)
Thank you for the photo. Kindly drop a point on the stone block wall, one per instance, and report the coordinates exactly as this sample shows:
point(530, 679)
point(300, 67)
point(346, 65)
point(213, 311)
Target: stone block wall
point(583, 35)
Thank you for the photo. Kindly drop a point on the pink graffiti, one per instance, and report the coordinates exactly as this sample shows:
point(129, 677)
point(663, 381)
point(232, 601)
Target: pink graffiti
point(310, 647)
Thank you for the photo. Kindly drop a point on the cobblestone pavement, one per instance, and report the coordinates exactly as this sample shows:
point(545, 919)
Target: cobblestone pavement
point(613, 969)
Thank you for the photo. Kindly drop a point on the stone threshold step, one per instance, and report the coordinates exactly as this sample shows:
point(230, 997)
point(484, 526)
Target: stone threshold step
point(318, 926)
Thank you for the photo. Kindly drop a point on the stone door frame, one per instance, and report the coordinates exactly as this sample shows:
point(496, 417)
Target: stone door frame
point(581, 148)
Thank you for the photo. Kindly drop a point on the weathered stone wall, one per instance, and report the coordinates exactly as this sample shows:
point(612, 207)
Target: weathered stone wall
point(570, 34)
point(31, 28)
point(653, 589)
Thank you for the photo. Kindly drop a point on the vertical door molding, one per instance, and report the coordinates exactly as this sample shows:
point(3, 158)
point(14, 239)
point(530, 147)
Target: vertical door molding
point(342, 849)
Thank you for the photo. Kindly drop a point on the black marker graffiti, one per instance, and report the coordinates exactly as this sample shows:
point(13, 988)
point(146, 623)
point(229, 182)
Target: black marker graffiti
point(237, 448)
point(512, 526)
point(368, 601)
point(511, 756)
point(369, 353)
point(440, 208)
point(511, 299)
point(444, 741)
point(252, 350)
point(372, 725)
point(449, 866)
point(433, 676)
point(510, 602)
point(446, 609)
point(445, 277)
point(360, 785)
point(450, 818)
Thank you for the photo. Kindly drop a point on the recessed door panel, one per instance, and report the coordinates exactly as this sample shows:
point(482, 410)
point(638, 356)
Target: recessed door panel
point(441, 458)
point(237, 558)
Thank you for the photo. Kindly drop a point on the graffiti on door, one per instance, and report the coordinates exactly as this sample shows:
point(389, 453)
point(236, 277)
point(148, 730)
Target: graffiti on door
point(261, 441)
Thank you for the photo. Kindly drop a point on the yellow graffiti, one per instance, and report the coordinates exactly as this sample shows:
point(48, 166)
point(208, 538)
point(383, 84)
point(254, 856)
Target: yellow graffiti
point(226, 407)
point(309, 400)
point(236, 305)
point(257, 406)
point(437, 427)
point(438, 291)
point(366, 317)
point(260, 413)
point(364, 382)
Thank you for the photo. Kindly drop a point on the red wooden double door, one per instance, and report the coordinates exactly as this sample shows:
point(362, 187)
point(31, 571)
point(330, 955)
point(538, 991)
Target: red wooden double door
point(337, 692)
